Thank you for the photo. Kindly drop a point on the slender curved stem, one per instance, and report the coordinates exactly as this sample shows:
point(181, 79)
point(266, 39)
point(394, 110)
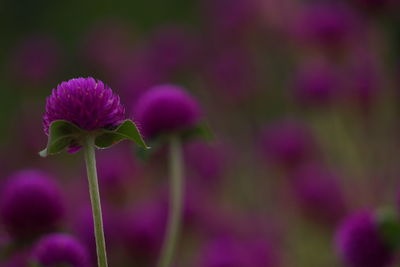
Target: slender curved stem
point(175, 204)
point(90, 159)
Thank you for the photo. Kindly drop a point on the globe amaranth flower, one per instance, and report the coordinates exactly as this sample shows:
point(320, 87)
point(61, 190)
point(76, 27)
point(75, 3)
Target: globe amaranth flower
point(60, 249)
point(30, 204)
point(85, 102)
point(319, 194)
point(360, 244)
point(165, 109)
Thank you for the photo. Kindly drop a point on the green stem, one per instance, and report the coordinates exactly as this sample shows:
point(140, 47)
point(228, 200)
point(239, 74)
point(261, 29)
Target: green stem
point(175, 204)
point(90, 159)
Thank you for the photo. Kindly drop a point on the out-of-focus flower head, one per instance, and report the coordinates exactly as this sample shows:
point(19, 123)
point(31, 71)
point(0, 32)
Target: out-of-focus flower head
point(232, 73)
point(60, 249)
point(164, 109)
point(326, 24)
point(364, 85)
point(208, 161)
point(35, 60)
point(117, 170)
point(82, 226)
point(85, 102)
point(241, 252)
point(31, 204)
point(359, 242)
point(318, 192)
point(287, 143)
point(316, 84)
point(143, 231)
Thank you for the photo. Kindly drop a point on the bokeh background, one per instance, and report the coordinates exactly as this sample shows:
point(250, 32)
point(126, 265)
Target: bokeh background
point(302, 98)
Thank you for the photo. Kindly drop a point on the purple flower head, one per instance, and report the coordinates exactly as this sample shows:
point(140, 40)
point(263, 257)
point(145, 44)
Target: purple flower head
point(35, 59)
point(165, 109)
point(31, 204)
point(287, 143)
point(316, 85)
point(319, 194)
point(85, 102)
point(60, 249)
point(359, 242)
point(326, 24)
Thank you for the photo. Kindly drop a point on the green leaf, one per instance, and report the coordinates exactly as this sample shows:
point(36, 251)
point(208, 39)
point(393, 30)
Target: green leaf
point(125, 131)
point(389, 227)
point(61, 134)
point(201, 130)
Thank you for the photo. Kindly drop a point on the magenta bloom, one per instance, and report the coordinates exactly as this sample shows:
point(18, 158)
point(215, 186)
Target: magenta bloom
point(165, 109)
point(60, 249)
point(319, 194)
point(316, 85)
point(326, 24)
point(85, 102)
point(287, 143)
point(30, 204)
point(234, 252)
point(359, 243)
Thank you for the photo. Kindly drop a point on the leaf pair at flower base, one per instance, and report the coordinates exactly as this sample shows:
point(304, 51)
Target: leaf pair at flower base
point(63, 134)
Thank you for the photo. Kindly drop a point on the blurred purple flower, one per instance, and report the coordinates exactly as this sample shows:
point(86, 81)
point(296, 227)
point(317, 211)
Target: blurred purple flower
point(116, 177)
point(229, 251)
point(164, 109)
point(359, 243)
point(60, 249)
point(35, 59)
point(85, 102)
point(143, 231)
point(316, 85)
point(208, 161)
point(82, 226)
point(318, 192)
point(232, 73)
point(364, 83)
point(30, 204)
point(287, 143)
point(326, 24)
